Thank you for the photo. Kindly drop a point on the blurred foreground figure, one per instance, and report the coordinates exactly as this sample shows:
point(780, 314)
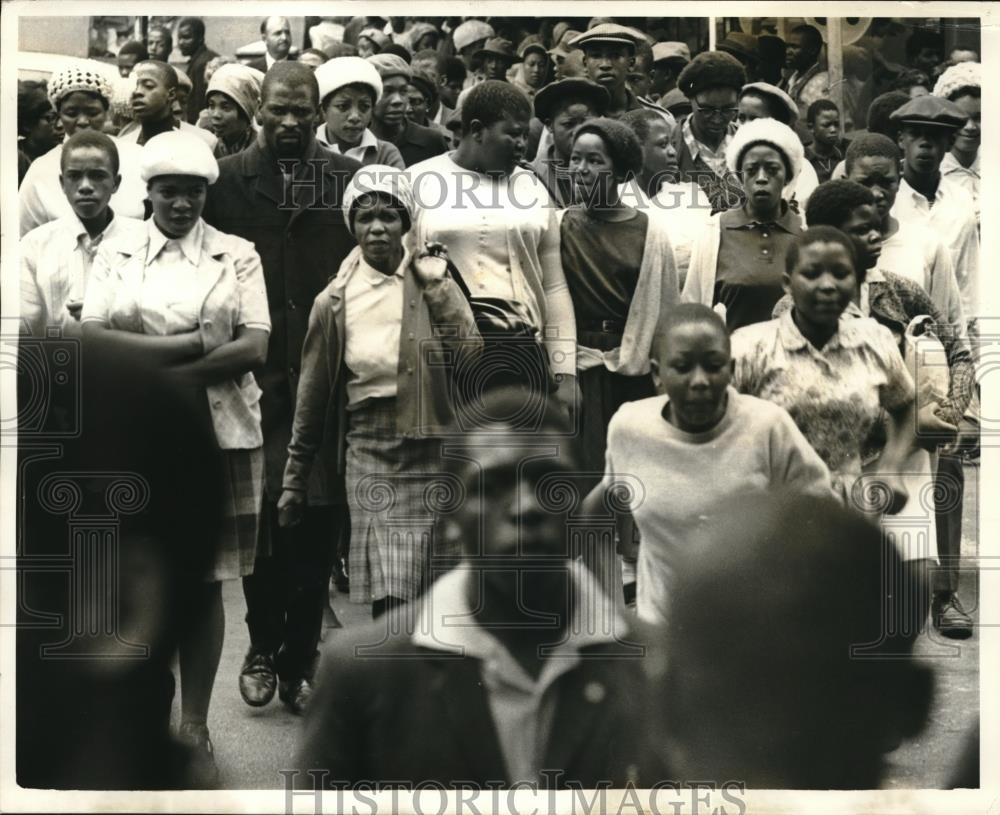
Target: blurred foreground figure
point(130, 515)
point(511, 669)
point(798, 597)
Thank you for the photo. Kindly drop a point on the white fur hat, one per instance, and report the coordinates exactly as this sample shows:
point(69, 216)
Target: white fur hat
point(773, 133)
point(962, 75)
point(334, 74)
point(178, 153)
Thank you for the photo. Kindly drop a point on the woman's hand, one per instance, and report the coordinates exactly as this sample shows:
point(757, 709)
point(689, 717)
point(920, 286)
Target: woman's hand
point(431, 265)
point(932, 430)
point(291, 505)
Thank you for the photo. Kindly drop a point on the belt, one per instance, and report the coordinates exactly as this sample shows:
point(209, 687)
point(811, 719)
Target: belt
point(603, 326)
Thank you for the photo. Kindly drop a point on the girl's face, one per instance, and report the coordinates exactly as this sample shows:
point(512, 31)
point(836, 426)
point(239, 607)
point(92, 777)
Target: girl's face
point(534, 69)
point(178, 201)
point(751, 107)
point(378, 228)
point(659, 157)
point(592, 169)
point(880, 174)
point(47, 132)
point(348, 112)
point(694, 370)
point(864, 228)
point(968, 138)
point(225, 117)
point(764, 177)
point(822, 283)
point(82, 110)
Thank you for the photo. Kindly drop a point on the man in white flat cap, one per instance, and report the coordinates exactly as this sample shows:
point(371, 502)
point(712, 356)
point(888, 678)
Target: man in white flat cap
point(469, 39)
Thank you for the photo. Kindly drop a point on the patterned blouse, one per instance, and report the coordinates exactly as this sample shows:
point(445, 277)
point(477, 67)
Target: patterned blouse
point(834, 395)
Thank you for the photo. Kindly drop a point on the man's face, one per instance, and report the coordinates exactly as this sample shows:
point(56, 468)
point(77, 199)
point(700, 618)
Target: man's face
point(416, 105)
point(495, 67)
point(158, 45)
point(826, 127)
point(608, 63)
point(450, 89)
point(799, 52)
point(126, 63)
point(391, 106)
point(151, 100)
point(662, 76)
point(187, 41)
point(880, 174)
point(88, 181)
point(927, 59)
point(277, 37)
point(287, 117)
point(864, 228)
point(924, 146)
point(567, 120)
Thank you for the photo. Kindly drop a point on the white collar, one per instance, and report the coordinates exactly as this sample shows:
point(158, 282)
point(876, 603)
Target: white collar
point(190, 244)
point(76, 230)
point(950, 164)
point(445, 621)
point(377, 278)
point(368, 139)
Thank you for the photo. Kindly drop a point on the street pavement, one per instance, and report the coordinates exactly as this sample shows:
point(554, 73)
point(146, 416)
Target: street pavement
point(253, 744)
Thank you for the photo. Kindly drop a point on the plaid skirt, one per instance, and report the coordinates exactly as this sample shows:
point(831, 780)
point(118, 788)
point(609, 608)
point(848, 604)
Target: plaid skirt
point(388, 479)
point(244, 493)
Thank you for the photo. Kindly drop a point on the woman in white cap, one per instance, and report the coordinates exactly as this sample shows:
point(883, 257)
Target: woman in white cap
point(375, 346)
point(231, 103)
point(81, 97)
point(737, 261)
point(191, 300)
point(349, 88)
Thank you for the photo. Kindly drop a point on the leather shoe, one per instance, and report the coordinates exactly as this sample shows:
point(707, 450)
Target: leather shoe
point(202, 772)
point(296, 694)
point(950, 618)
point(257, 679)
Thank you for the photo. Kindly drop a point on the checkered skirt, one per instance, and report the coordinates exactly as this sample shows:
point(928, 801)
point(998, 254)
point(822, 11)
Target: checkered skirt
point(244, 493)
point(388, 477)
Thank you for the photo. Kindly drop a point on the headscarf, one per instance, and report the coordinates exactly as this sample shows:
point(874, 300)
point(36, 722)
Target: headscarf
point(240, 83)
point(379, 178)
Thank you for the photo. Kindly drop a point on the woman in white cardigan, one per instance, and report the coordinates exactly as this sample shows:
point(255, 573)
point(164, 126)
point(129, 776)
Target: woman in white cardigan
point(619, 267)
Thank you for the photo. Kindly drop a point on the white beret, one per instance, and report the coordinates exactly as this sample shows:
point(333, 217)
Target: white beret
point(471, 31)
point(334, 74)
point(80, 77)
point(178, 153)
point(770, 132)
point(962, 75)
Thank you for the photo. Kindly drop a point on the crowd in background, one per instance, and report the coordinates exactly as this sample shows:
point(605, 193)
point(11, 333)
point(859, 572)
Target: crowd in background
point(694, 272)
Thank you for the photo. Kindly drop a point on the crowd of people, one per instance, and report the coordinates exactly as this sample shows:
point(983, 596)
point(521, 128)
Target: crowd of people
point(668, 280)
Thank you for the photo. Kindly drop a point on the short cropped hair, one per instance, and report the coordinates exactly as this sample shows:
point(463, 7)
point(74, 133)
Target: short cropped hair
point(166, 71)
point(685, 314)
point(453, 69)
point(810, 36)
point(639, 120)
point(818, 234)
point(91, 138)
point(290, 72)
point(871, 144)
point(196, 24)
point(832, 202)
point(134, 48)
point(881, 108)
point(490, 101)
point(817, 107)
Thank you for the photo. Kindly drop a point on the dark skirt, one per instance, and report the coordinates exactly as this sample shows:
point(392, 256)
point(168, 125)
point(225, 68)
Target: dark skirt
point(243, 494)
point(389, 481)
point(602, 393)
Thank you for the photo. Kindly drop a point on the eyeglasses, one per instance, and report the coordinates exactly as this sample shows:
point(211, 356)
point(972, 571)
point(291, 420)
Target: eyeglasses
point(726, 114)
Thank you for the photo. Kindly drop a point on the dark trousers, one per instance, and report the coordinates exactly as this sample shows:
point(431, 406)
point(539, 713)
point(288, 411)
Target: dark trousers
point(287, 592)
point(948, 517)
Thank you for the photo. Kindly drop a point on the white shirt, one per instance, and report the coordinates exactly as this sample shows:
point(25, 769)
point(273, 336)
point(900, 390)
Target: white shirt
point(172, 291)
point(131, 132)
point(41, 198)
point(373, 318)
point(953, 218)
point(968, 178)
point(55, 266)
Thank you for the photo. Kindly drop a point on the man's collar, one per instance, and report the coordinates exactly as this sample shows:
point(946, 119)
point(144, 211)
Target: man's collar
point(190, 244)
point(445, 621)
point(75, 230)
point(950, 164)
point(916, 195)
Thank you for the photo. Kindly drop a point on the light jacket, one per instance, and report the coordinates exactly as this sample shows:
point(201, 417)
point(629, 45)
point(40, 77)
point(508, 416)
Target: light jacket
point(656, 291)
point(231, 271)
point(438, 333)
